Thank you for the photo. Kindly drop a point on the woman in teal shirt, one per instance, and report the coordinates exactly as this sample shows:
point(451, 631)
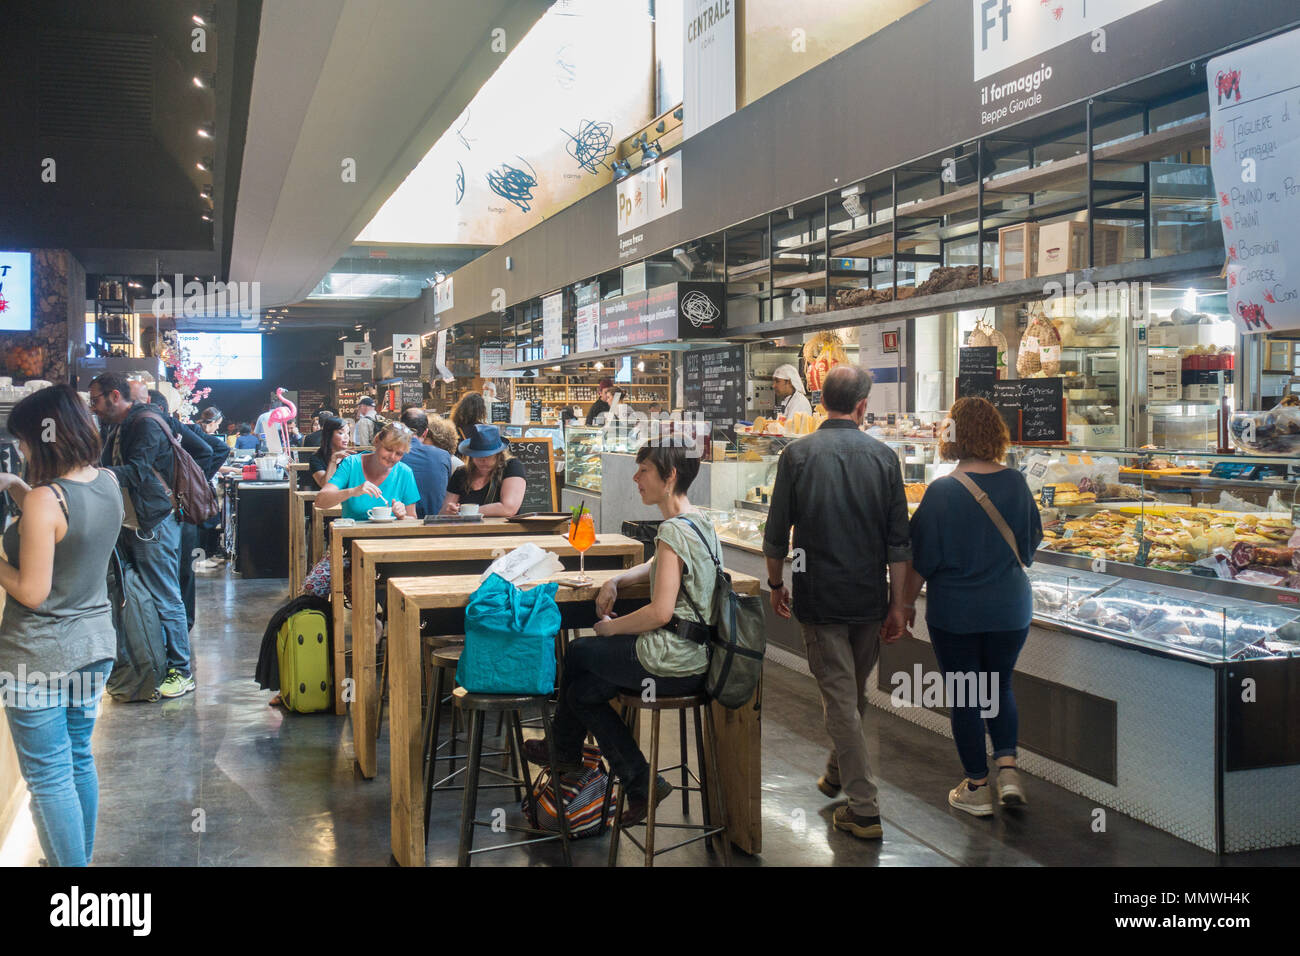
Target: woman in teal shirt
point(362, 482)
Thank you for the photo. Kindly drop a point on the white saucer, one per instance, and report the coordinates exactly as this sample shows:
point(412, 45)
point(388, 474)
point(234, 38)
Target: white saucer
point(382, 520)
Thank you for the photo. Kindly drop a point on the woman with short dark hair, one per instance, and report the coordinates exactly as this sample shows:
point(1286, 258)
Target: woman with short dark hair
point(647, 643)
point(973, 534)
point(58, 625)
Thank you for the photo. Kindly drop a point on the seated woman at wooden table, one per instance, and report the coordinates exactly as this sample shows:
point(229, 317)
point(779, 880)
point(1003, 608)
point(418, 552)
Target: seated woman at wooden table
point(490, 479)
point(334, 447)
point(650, 642)
point(361, 482)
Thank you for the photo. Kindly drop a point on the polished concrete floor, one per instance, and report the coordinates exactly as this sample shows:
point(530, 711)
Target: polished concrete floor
point(219, 778)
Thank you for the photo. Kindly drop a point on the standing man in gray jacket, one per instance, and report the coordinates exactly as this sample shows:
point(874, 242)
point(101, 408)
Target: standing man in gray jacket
point(842, 491)
point(363, 433)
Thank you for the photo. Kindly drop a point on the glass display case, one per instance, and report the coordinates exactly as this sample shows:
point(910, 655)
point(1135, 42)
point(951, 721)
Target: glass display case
point(583, 445)
point(1206, 626)
point(1229, 519)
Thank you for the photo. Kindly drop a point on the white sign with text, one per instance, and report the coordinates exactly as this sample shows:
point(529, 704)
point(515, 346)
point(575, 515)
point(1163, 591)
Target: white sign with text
point(1255, 159)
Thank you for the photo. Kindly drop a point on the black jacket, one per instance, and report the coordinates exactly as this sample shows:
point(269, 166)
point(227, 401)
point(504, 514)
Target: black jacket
point(137, 449)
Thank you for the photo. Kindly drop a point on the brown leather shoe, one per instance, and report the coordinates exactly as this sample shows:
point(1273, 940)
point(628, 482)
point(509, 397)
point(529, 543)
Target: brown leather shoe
point(536, 752)
point(636, 807)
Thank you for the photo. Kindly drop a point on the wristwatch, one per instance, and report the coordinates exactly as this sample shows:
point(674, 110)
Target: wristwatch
point(777, 586)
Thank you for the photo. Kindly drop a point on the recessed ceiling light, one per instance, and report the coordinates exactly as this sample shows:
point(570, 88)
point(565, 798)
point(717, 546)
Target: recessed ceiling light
point(206, 218)
point(205, 164)
point(205, 131)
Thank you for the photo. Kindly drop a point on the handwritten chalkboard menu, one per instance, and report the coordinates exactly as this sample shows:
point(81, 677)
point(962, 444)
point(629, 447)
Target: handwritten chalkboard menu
point(975, 385)
point(538, 460)
point(500, 411)
point(713, 384)
point(1042, 409)
point(535, 411)
point(1006, 399)
point(310, 401)
point(1033, 408)
point(978, 360)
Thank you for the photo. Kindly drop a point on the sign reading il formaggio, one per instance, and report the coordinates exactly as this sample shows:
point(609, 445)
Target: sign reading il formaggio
point(1255, 159)
point(708, 63)
point(650, 193)
point(358, 362)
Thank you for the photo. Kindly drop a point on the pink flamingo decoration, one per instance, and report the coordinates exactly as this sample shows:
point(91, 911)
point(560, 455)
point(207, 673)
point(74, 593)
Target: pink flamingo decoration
point(279, 420)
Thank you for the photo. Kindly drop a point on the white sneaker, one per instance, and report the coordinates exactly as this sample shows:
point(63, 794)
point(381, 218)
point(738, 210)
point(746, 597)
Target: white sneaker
point(978, 802)
point(1010, 793)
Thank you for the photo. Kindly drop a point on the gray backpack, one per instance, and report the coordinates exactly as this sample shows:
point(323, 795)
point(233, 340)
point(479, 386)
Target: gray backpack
point(737, 641)
point(141, 648)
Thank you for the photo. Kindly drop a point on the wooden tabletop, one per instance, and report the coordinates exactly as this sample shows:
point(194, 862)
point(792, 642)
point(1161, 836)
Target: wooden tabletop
point(488, 546)
point(408, 527)
point(455, 590)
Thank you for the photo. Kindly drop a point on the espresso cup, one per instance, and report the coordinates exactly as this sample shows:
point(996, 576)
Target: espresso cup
point(381, 513)
point(469, 510)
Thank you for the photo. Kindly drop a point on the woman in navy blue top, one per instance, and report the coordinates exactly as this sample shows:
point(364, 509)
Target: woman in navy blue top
point(978, 602)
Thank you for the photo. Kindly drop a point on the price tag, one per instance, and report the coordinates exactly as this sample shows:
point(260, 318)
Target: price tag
point(1048, 495)
point(1295, 514)
point(1143, 549)
point(1039, 469)
point(871, 418)
point(891, 419)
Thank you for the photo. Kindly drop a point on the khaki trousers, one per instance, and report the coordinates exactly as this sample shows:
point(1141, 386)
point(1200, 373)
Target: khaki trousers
point(841, 656)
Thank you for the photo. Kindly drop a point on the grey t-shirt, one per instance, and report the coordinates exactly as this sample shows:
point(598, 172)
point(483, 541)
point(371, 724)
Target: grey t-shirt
point(662, 652)
point(72, 627)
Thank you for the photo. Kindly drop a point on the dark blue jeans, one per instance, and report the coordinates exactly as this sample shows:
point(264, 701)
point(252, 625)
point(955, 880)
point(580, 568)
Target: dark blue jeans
point(156, 555)
point(983, 654)
point(595, 670)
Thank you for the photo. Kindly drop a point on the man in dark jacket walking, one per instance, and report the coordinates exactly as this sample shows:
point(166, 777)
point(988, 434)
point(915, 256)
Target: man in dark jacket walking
point(140, 454)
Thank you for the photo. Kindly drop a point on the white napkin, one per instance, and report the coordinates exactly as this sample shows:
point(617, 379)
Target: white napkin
point(525, 563)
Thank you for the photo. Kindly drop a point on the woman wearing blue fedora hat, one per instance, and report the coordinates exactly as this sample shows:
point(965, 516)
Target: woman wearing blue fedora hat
point(490, 479)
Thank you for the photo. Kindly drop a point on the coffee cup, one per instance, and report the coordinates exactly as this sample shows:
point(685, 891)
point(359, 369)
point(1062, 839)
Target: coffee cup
point(381, 513)
point(469, 510)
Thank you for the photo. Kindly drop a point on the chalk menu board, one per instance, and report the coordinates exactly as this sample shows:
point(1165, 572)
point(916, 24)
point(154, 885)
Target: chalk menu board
point(975, 385)
point(713, 384)
point(310, 401)
point(538, 460)
point(500, 411)
point(981, 359)
point(1042, 410)
point(535, 411)
point(1033, 408)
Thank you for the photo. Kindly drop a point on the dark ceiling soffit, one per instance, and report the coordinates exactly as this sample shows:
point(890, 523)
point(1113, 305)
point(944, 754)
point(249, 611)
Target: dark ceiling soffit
point(234, 91)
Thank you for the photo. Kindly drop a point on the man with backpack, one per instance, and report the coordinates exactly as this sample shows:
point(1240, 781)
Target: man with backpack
point(140, 454)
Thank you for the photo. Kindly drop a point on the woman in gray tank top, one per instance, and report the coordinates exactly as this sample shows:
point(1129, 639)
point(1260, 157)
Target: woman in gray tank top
point(57, 642)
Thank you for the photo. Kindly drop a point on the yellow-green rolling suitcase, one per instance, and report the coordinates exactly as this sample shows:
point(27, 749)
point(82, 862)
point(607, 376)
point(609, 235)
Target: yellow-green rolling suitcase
point(303, 651)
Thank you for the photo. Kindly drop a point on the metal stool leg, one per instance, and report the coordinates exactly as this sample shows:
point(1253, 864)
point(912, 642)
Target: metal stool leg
point(715, 783)
point(469, 805)
point(431, 749)
point(518, 725)
point(686, 773)
point(703, 774)
point(557, 792)
point(513, 754)
point(622, 800)
point(651, 793)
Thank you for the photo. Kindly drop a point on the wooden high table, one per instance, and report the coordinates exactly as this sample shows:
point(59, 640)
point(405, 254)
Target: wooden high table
point(739, 731)
point(301, 503)
point(404, 528)
point(450, 556)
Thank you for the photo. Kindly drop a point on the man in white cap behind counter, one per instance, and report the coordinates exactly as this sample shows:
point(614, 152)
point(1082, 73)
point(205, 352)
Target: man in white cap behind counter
point(790, 397)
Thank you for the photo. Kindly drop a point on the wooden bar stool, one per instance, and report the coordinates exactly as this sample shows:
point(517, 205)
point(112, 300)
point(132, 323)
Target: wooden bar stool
point(709, 786)
point(475, 706)
point(444, 661)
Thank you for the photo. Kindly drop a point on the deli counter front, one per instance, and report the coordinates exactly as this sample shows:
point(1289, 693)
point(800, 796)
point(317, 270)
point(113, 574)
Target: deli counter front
point(1161, 673)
